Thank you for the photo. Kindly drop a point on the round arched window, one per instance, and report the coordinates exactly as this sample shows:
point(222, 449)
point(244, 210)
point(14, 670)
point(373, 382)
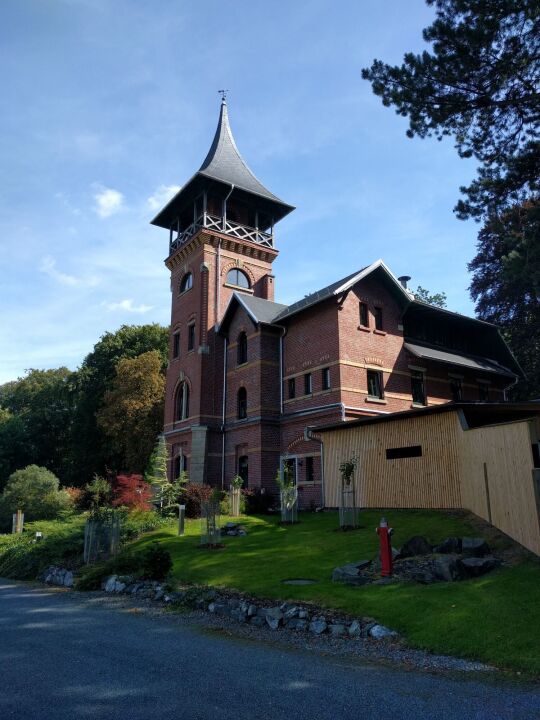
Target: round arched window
point(238, 278)
point(186, 283)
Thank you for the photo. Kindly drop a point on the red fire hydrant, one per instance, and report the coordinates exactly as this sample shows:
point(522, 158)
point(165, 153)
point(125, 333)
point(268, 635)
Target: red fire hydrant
point(384, 533)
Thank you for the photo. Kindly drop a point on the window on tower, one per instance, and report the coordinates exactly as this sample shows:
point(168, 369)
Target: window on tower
point(186, 283)
point(242, 349)
point(176, 345)
point(182, 402)
point(242, 404)
point(191, 337)
point(238, 278)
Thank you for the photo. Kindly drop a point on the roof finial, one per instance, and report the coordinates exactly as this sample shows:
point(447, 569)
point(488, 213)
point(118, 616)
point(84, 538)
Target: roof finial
point(223, 94)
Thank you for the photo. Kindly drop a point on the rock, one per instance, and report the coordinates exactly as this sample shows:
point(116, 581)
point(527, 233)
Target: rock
point(296, 624)
point(417, 545)
point(258, 621)
point(221, 608)
point(252, 610)
point(68, 579)
point(354, 629)
point(303, 614)
point(450, 545)
point(318, 626)
point(291, 613)
point(239, 615)
point(110, 583)
point(380, 632)
point(475, 567)
point(241, 533)
point(212, 607)
point(446, 568)
point(350, 573)
point(337, 629)
point(366, 630)
point(424, 576)
point(273, 617)
point(475, 547)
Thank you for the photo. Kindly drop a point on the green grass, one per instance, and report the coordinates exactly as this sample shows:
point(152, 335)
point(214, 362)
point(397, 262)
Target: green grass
point(495, 619)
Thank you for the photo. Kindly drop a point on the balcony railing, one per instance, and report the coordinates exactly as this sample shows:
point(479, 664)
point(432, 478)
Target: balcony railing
point(222, 225)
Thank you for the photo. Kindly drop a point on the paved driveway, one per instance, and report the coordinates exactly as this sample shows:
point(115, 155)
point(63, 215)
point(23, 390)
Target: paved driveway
point(61, 657)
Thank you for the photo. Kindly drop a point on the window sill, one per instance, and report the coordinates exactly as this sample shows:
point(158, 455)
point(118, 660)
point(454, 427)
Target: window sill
point(379, 332)
point(249, 291)
point(364, 328)
point(379, 401)
point(179, 294)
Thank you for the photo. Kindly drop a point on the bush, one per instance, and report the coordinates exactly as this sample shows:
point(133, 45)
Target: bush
point(192, 497)
point(156, 562)
point(225, 504)
point(35, 491)
point(137, 522)
point(91, 576)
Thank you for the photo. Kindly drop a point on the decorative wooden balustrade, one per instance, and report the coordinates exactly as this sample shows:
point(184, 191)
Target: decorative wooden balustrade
point(223, 225)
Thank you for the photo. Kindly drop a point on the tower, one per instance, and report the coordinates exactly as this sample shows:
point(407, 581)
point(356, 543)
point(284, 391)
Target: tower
point(221, 240)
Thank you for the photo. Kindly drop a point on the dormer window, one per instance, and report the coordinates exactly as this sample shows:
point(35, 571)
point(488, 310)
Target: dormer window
point(186, 283)
point(238, 278)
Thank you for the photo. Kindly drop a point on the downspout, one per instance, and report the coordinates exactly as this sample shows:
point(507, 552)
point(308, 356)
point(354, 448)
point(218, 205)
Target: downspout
point(509, 387)
point(225, 343)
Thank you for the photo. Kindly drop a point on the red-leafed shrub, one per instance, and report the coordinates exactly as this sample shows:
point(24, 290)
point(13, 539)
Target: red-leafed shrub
point(133, 492)
point(76, 495)
point(193, 495)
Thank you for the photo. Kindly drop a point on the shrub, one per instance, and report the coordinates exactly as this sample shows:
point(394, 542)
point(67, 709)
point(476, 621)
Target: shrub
point(192, 497)
point(35, 491)
point(156, 562)
point(225, 504)
point(91, 576)
point(133, 492)
point(137, 522)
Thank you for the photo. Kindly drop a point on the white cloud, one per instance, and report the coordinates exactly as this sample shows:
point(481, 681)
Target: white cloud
point(128, 306)
point(108, 202)
point(48, 267)
point(161, 196)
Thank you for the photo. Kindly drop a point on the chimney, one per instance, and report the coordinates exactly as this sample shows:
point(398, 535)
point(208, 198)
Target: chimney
point(404, 279)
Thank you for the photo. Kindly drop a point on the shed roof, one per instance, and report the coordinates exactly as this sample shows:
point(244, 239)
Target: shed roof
point(454, 358)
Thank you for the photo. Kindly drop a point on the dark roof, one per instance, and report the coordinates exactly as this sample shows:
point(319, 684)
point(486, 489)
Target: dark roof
point(315, 297)
point(476, 414)
point(225, 167)
point(456, 358)
point(261, 311)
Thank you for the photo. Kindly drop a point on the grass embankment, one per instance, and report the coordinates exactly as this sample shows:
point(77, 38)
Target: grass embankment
point(495, 618)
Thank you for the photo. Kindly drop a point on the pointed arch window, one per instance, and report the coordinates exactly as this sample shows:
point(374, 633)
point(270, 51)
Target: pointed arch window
point(242, 404)
point(182, 402)
point(186, 283)
point(238, 278)
point(242, 349)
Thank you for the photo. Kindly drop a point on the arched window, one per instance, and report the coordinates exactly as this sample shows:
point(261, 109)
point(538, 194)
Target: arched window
point(243, 469)
point(182, 402)
point(242, 404)
point(242, 349)
point(238, 278)
point(186, 282)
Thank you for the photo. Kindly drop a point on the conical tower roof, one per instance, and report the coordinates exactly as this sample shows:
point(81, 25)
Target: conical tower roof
point(223, 167)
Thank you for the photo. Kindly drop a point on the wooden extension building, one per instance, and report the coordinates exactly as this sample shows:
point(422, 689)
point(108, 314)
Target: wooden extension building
point(482, 457)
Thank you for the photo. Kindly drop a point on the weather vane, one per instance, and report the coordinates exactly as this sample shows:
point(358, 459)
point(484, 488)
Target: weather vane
point(223, 94)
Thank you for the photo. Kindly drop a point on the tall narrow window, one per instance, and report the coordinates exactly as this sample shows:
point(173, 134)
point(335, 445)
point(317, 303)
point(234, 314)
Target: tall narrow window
point(242, 349)
point(242, 404)
point(180, 466)
point(456, 389)
point(307, 384)
point(292, 388)
point(377, 314)
point(326, 378)
point(186, 283)
point(191, 337)
point(483, 392)
point(418, 388)
point(243, 469)
point(375, 384)
point(238, 279)
point(310, 475)
point(364, 315)
point(182, 402)
point(176, 345)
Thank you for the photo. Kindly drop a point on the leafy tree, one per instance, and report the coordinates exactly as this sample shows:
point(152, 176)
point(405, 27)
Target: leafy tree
point(132, 411)
point(133, 492)
point(437, 299)
point(41, 406)
point(480, 84)
point(92, 449)
point(13, 445)
point(99, 491)
point(35, 491)
point(506, 286)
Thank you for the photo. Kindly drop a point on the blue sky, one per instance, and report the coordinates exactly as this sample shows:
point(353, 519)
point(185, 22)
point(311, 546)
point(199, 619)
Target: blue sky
point(110, 104)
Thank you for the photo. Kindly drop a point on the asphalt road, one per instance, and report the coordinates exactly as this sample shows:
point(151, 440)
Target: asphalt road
point(65, 658)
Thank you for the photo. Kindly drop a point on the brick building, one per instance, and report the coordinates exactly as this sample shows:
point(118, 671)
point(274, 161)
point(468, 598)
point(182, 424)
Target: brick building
point(247, 375)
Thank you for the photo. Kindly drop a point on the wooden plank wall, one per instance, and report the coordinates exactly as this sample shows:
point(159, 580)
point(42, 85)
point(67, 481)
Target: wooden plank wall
point(430, 481)
point(498, 482)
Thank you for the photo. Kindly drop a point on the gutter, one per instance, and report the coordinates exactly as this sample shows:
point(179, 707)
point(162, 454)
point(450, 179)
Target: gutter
point(225, 345)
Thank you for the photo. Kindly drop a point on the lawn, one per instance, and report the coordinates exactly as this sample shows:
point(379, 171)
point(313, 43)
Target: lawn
point(495, 618)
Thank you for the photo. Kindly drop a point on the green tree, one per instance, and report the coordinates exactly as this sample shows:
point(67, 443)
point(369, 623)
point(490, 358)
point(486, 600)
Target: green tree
point(91, 449)
point(480, 84)
point(437, 299)
point(506, 286)
point(13, 445)
point(42, 403)
point(35, 491)
point(132, 412)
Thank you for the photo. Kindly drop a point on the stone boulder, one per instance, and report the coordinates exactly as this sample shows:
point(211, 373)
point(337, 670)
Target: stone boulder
point(380, 632)
point(273, 617)
point(350, 574)
point(417, 545)
point(450, 546)
point(318, 626)
point(476, 566)
point(475, 547)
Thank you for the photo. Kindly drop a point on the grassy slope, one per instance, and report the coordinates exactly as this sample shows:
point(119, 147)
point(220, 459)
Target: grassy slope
point(495, 618)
